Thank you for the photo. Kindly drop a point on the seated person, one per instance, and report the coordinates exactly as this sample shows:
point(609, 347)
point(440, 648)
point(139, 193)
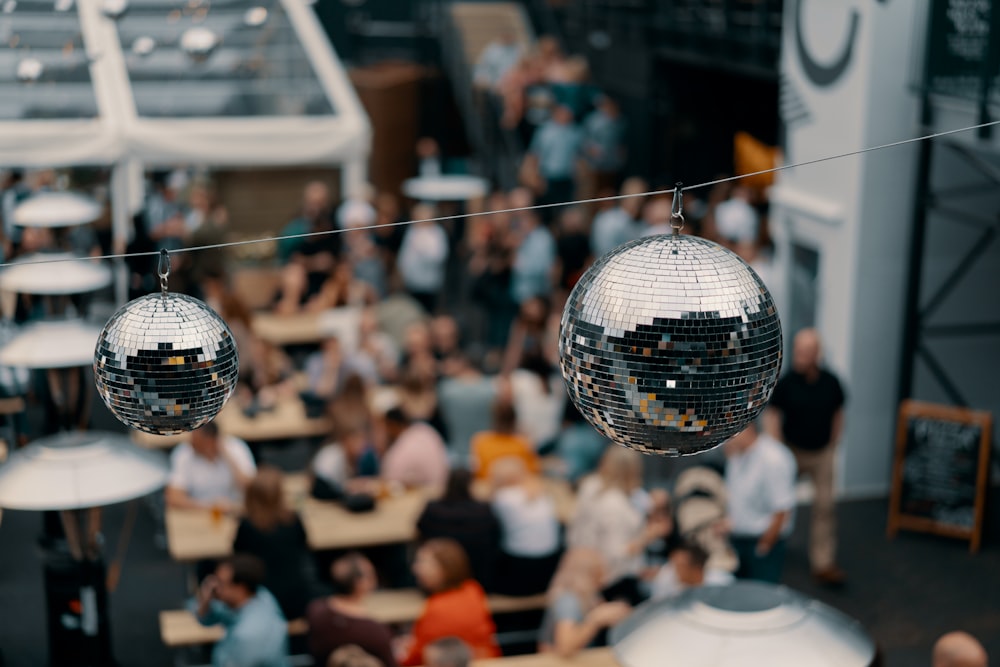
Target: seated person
point(266, 373)
point(342, 619)
point(659, 513)
point(294, 294)
point(456, 606)
point(256, 630)
point(353, 655)
point(416, 455)
point(612, 516)
point(577, 615)
point(959, 649)
point(579, 445)
point(465, 401)
point(530, 530)
point(210, 471)
point(501, 442)
point(350, 456)
point(540, 400)
point(686, 569)
point(466, 520)
point(328, 369)
point(274, 534)
point(447, 652)
point(342, 289)
point(351, 408)
point(417, 394)
point(378, 346)
point(446, 340)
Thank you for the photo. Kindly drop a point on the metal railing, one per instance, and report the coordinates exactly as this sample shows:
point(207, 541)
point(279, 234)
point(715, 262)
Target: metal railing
point(498, 150)
point(740, 35)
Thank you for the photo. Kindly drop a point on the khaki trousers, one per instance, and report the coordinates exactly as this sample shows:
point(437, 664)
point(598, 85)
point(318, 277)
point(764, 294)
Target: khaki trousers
point(818, 466)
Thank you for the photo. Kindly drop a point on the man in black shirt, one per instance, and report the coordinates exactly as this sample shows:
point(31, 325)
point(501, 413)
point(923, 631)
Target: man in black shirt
point(807, 414)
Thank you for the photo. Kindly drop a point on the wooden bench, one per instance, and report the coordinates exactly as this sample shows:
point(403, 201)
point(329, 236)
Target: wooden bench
point(179, 628)
point(591, 657)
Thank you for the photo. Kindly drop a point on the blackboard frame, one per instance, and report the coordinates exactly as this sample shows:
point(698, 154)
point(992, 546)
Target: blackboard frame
point(910, 409)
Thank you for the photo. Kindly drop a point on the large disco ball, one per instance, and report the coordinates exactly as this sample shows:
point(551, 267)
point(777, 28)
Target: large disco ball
point(670, 344)
point(165, 363)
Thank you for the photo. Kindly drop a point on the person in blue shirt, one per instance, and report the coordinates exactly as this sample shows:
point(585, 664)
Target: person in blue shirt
point(554, 152)
point(534, 259)
point(256, 630)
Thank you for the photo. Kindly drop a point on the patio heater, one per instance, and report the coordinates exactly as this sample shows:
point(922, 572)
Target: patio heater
point(76, 474)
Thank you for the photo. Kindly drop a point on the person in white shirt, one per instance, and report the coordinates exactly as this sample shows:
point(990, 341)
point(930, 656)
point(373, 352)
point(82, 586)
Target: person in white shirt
point(531, 542)
point(615, 226)
point(760, 481)
point(736, 221)
point(210, 471)
point(687, 568)
point(539, 402)
point(656, 215)
point(611, 517)
point(422, 257)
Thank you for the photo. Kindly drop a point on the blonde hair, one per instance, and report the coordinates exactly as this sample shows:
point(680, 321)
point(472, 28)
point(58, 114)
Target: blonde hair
point(352, 655)
point(265, 499)
point(620, 468)
point(507, 471)
point(510, 471)
point(580, 572)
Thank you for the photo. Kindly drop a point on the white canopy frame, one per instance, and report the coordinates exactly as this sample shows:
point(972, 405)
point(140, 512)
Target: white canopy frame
point(129, 142)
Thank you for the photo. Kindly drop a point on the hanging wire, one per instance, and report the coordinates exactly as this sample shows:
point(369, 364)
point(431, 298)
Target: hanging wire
point(521, 209)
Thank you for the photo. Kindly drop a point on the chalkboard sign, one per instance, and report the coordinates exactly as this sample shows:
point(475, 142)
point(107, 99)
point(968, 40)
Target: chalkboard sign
point(958, 47)
point(941, 471)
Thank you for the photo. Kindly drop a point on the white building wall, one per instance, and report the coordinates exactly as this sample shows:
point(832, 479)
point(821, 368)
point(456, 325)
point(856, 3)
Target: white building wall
point(845, 69)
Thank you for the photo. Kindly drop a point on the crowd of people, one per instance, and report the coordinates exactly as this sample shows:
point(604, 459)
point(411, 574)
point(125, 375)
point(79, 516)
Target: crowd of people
point(461, 320)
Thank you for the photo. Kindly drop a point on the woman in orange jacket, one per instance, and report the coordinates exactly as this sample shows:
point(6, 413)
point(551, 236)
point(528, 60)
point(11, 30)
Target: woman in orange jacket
point(456, 607)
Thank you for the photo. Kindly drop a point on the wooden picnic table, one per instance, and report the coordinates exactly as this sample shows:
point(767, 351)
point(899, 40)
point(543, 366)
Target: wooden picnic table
point(309, 328)
point(286, 421)
point(196, 534)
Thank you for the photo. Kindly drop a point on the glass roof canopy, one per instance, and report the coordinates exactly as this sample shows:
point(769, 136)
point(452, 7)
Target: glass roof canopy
point(38, 42)
point(78, 86)
point(257, 70)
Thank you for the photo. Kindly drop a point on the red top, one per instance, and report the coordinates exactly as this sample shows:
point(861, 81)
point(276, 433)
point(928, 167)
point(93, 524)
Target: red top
point(460, 612)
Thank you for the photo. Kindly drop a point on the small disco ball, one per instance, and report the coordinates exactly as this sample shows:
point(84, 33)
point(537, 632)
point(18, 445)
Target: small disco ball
point(670, 344)
point(143, 46)
point(255, 17)
point(165, 363)
point(114, 9)
point(30, 70)
point(199, 43)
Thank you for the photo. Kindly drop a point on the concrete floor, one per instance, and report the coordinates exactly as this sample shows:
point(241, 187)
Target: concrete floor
point(906, 592)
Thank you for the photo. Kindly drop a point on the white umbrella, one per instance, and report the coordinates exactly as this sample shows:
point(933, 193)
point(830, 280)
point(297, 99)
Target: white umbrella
point(745, 623)
point(56, 209)
point(54, 344)
point(79, 470)
point(54, 273)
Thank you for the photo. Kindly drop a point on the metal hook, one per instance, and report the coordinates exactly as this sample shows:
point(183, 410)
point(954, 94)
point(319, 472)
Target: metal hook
point(677, 209)
point(163, 269)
